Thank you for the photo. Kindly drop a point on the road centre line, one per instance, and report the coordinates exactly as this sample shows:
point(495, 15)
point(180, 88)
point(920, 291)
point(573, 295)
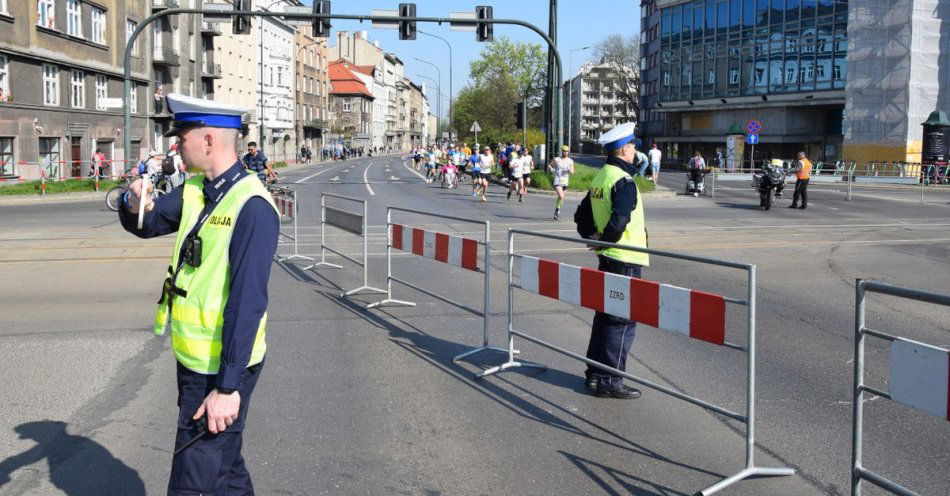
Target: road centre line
point(366, 181)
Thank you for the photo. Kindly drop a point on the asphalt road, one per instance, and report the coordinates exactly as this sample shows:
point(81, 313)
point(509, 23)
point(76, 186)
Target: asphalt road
point(369, 402)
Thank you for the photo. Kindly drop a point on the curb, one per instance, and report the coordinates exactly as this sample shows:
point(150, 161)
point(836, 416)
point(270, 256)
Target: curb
point(53, 198)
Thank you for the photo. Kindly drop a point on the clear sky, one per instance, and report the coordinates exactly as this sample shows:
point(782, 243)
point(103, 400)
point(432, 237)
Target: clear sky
point(580, 23)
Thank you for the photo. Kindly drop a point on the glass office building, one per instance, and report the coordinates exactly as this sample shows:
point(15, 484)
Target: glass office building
point(725, 48)
point(838, 81)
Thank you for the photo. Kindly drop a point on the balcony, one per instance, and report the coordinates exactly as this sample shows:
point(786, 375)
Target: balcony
point(315, 124)
point(164, 4)
point(210, 29)
point(166, 56)
point(212, 71)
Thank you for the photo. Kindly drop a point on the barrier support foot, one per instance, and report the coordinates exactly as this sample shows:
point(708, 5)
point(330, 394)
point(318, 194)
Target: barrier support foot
point(509, 365)
point(751, 472)
point(389, 302)
point(480, 349)
point(323, 264)
point(296, 257)
point(364, 290)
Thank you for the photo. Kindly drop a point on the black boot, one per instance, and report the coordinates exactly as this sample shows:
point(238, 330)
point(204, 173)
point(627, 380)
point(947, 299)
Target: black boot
point(621, 392)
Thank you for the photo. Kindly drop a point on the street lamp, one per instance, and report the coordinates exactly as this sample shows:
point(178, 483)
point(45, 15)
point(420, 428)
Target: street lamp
point(570, 93)
point(438, 102)
point(449, 46)
point(437, 71)
point(260, 36)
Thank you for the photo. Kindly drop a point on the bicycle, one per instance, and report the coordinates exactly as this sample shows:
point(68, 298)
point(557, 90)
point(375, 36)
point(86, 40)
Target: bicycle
point(115, 194)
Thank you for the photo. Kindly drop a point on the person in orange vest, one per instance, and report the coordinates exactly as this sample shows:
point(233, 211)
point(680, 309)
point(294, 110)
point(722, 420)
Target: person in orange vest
point(802, 170)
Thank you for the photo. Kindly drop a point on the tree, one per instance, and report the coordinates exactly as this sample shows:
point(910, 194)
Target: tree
point(622, 55)
point(524, 63)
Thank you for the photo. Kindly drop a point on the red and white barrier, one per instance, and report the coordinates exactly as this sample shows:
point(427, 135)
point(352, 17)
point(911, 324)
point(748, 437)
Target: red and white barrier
point(920, 376)
point(453, 250)
point(696, 314)
point(286, 205)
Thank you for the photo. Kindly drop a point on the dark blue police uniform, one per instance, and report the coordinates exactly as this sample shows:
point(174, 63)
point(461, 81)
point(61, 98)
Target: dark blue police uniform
point(611, 337)
point(214, 464)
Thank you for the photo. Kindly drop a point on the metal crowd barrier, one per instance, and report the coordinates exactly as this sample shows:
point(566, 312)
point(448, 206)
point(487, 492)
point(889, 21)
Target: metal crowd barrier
point(453, 250)
point(353, 223)
point(693, 313)
point(919, 377)
point(286, 201)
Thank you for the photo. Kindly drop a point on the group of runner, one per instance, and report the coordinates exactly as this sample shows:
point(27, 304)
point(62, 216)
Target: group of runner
point(514, 161)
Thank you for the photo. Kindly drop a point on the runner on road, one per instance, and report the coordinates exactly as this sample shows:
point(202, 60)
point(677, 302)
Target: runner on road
point(487, 162)
point(561, 168)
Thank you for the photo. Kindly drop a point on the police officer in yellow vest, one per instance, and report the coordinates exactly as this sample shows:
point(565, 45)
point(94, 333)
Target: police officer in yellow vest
point(214, 297)
point(612, 211)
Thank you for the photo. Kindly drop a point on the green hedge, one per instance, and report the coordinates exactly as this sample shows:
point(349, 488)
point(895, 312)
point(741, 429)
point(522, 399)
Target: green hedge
point(580, 180)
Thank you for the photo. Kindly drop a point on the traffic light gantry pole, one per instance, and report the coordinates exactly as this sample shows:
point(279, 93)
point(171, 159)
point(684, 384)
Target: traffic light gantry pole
point(314, 16)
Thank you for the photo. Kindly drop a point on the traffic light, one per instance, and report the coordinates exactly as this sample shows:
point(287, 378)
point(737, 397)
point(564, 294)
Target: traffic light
point(484, 31)
point(321, 27)
point(407, 29)
point(519, 115)
point(241, 24)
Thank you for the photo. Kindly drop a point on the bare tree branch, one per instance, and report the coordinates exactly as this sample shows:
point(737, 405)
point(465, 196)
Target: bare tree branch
point(622, 55)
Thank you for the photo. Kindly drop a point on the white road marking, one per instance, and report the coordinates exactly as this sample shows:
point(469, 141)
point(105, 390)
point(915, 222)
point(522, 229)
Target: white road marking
point(410, 169)
point(312, 175)
point(335, 178)
point(366, 181)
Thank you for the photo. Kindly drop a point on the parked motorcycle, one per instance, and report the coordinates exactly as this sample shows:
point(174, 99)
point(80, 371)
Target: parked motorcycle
point(769, 183)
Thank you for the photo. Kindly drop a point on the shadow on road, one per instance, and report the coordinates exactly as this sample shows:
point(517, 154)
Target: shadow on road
point(591, 468)
point(439, 353)
point(78, 465)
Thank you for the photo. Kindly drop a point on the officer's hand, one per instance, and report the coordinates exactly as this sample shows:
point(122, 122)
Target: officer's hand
point(221, 410)
point(595, 237)
point(135, 196)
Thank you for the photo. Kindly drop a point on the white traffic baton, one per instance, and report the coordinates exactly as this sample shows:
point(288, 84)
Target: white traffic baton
point(919, 377)
point(445, 248)
point(353, 223)
point(693, 313)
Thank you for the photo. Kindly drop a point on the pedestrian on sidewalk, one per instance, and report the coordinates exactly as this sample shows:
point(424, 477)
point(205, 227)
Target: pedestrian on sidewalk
point(612, 212)
point(802, 170)
point(656, 156)
point(214, 298)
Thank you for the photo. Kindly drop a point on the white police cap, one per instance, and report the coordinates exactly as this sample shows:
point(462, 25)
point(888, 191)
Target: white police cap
point(196, 112)
point(618, 136)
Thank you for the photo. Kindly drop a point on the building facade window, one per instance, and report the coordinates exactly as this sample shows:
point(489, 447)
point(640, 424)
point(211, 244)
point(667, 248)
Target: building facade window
point(50, 84)
point(102, 91)
point(98, 26)
point(6, 156)
point(129, 28)
point(77, 89)
point(346, 105)
point(753, 46)
point(74, 18)
point(49, 150)
point(4, 78)
point(46, 10)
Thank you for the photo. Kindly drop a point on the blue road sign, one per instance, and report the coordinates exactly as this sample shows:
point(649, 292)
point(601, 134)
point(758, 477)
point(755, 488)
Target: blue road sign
point(752, 139)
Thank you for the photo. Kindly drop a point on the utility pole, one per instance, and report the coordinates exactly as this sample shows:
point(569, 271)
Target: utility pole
point(449, 46)
point(551, 109)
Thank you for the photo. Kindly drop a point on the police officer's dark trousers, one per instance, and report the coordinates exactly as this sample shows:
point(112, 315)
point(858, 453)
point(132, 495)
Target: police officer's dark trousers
point(213, 465)
point(610, 336)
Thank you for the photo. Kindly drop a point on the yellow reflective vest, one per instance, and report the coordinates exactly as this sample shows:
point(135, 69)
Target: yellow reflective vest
point(635, 233)
point(197, 312)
